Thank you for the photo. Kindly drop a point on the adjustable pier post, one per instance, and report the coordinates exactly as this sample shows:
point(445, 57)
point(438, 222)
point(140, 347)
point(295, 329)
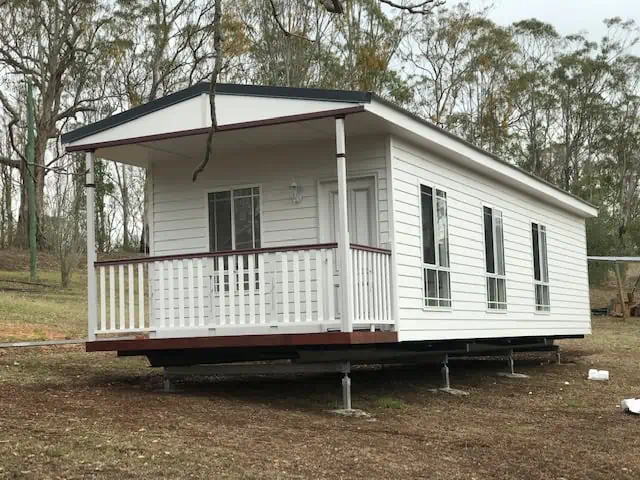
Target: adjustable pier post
point(512, 372)
point(446, 381)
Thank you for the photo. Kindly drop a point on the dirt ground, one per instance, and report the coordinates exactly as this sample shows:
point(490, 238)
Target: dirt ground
point(69, 414)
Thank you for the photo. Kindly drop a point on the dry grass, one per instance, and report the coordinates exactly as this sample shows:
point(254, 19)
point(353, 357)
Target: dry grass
point(69, 414)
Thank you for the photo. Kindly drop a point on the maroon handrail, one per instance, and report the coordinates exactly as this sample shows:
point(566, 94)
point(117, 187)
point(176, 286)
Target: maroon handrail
point(368, 248)
point(187, 256)
point(248, 251)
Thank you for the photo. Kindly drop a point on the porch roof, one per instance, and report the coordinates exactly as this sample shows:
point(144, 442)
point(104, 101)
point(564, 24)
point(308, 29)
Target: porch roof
point(176, 127)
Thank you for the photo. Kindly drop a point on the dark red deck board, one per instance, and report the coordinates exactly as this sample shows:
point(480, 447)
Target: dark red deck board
point(239, 341)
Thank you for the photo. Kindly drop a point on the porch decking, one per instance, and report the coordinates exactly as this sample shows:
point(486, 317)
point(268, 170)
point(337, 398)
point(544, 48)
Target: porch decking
point(266, 291)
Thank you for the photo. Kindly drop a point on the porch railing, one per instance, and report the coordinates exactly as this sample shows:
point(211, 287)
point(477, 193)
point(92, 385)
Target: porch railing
point(268, 287)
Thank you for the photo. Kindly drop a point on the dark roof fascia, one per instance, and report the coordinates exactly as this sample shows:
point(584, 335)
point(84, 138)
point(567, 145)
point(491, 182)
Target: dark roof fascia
point(302, 117)
point(453, 136)
point(344, 96)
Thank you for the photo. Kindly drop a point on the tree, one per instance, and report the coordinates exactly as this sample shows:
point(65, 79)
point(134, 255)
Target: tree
point(56, 44)
point(352, 35)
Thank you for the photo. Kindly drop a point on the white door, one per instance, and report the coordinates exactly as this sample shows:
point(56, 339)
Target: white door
point(361, 203)
point(360, 210)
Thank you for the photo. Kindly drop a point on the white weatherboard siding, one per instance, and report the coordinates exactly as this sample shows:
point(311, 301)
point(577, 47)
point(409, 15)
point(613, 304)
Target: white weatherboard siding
point(469, 317)
point(180, 209)
point(180, 223)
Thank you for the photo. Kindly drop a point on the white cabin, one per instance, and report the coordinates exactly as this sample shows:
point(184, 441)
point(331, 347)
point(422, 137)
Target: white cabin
point(328, 217)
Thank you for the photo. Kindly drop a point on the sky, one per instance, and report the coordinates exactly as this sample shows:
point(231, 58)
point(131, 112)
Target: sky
point(568, 16)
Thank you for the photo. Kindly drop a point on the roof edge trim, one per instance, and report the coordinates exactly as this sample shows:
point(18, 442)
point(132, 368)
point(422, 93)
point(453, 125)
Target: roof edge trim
point(344, 96)
point(303, 117)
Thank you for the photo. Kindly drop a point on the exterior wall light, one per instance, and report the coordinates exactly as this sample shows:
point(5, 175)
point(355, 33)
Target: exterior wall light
point(296, 192)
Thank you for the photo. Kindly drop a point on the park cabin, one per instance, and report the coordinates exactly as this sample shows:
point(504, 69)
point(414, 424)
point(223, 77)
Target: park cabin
point(324, 218)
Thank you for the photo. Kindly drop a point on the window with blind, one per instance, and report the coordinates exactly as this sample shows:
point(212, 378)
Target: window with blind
point(494, 259)
point(540, 267)
point(435, 247)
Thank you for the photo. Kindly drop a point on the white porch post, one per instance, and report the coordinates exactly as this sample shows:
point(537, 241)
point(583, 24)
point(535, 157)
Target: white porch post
point(92, 294)
point(344, 246)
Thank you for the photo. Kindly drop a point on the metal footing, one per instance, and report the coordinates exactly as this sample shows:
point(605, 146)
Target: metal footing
point(347, 409)
point(558, 356)
point(512, 371)
point(346, 392)
point(446, 381)
point(168, 384)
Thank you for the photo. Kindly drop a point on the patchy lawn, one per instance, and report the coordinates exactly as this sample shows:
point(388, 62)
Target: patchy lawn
point(42, 311)
point(69, 414)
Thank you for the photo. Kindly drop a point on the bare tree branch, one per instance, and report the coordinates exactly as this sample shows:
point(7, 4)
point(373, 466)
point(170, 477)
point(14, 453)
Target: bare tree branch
point(217, 46)
point(420, 8)
point(10, 162)
point(286, 32)
point(333, 6)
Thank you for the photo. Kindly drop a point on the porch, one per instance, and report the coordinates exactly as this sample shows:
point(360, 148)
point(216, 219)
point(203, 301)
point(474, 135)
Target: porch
point(278, 290)
point(281, 235)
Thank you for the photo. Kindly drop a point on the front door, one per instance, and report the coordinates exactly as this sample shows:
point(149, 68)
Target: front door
point(361, 215)
point(360, 210)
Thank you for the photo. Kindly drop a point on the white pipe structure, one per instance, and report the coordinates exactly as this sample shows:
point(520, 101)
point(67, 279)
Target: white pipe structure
point(344, 245)
point(92, 293)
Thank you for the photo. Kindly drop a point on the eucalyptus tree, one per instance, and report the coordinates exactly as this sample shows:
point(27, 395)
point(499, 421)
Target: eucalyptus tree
point(368, 52)
point(534, 103)
point(57, 45)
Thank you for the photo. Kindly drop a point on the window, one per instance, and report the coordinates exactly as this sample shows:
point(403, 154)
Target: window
point(234, 224)
point(494, 259)
point(435, 247)
point(234, 219)
point(540, 267)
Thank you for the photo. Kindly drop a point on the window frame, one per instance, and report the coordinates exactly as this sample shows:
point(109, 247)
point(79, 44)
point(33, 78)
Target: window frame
point(231, 189)
point(546, 309)
point(495, 275)
point(436, 266)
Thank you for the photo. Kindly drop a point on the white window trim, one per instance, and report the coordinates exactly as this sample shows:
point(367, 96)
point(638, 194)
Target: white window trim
point(533, 270)
point(233, 226)
point(484, 256)
point(436, 267)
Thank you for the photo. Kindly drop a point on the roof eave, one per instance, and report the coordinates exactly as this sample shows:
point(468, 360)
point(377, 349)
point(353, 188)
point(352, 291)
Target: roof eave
point(343, 96)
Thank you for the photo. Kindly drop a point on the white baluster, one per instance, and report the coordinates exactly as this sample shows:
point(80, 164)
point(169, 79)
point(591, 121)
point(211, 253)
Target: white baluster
point(161, 294)
point(296, 286)
point(232, 288)
point(357, 294)
point(122, 320)
point(180, 293)
point(331, 288)
point(112, 298)
point(252, 289)
point(132, 285)
point(285, 286)
point(241, 318)
point(192, 294)
point(320, 282)
point(221, 291)
point(387, 287)
point(307, 285)
point(103, 300)
point(377, 294)
point(201, 294)
point(171, 294)
point(262, 279)
point(141, 296)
